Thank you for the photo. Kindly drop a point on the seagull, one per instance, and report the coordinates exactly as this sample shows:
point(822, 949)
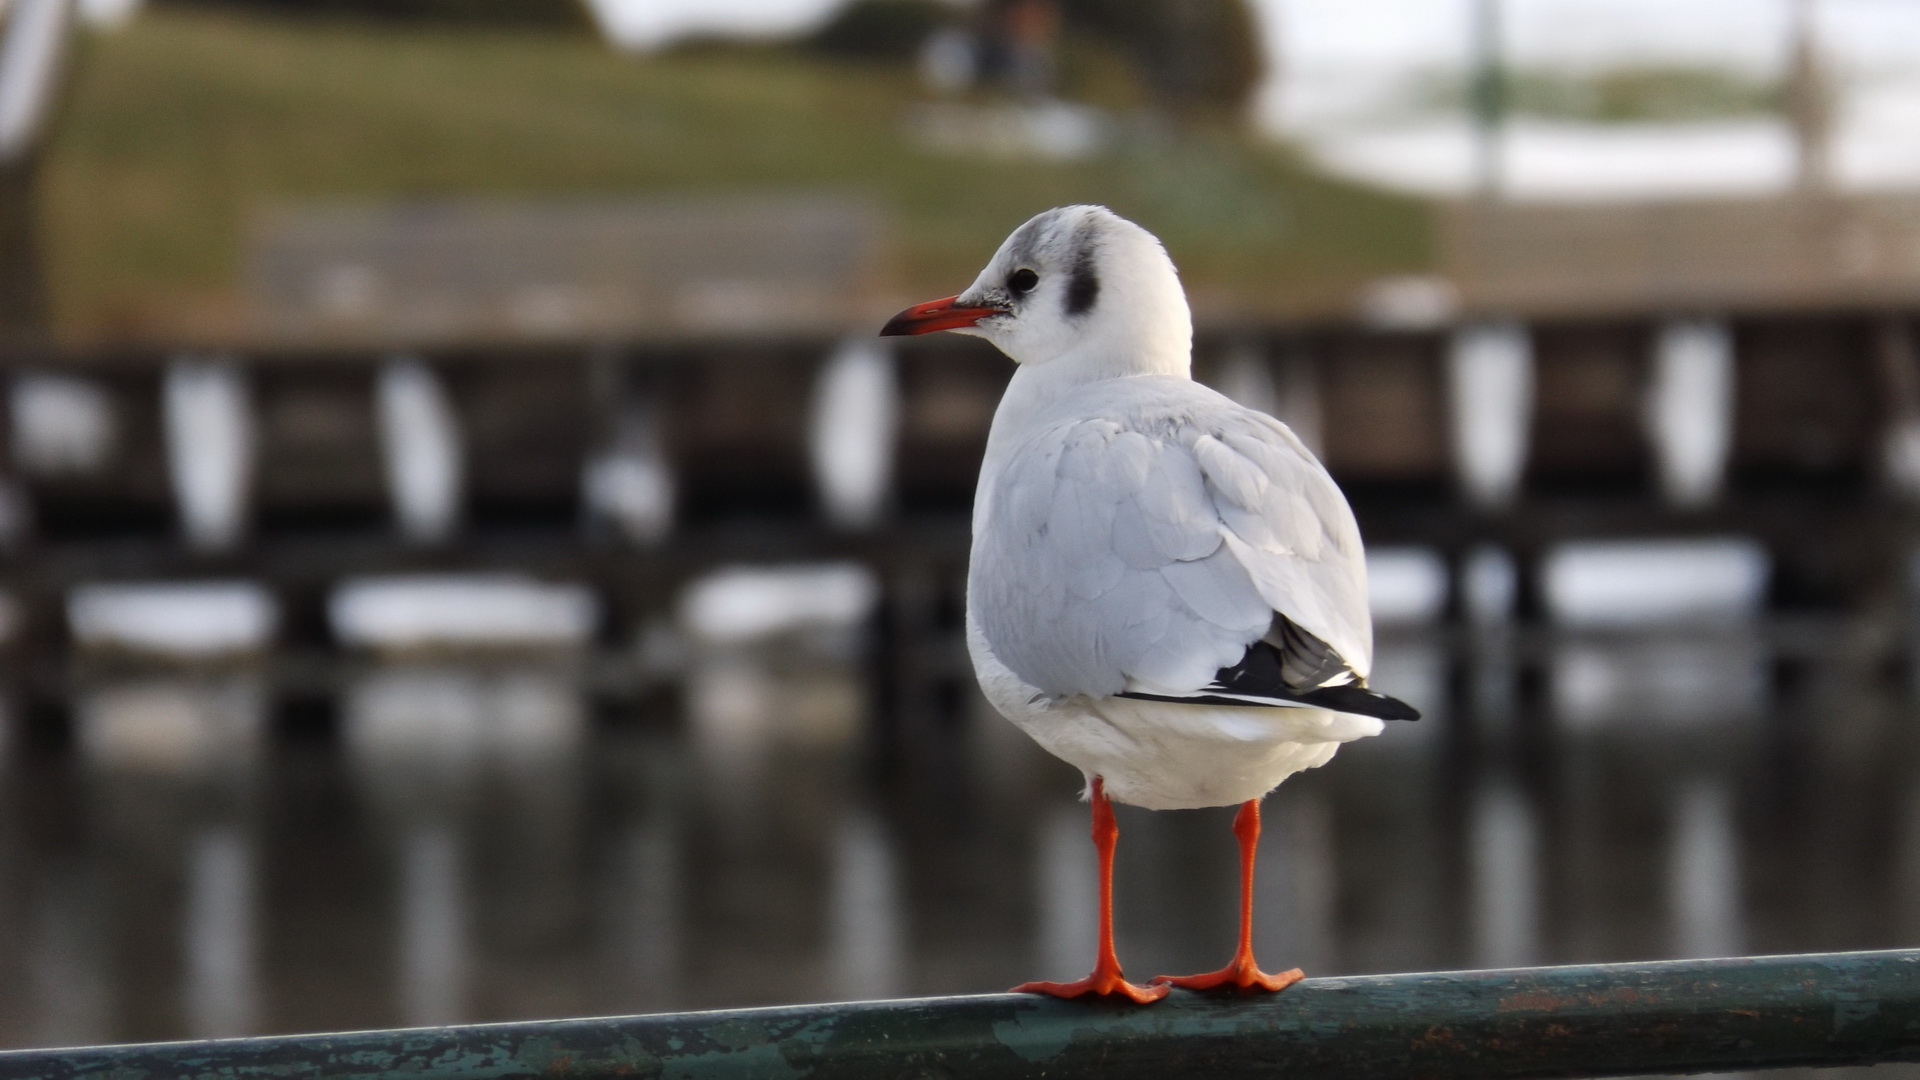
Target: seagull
point(1166, 589)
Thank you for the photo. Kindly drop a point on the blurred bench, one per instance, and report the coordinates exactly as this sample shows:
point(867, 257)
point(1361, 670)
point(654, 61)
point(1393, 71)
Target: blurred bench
point(501, 271)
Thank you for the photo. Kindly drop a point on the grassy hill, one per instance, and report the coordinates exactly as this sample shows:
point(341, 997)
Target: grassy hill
point(180, 126)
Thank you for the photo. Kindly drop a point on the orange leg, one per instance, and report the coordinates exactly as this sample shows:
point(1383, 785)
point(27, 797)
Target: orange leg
point(1106, 977)
point(1242, 973)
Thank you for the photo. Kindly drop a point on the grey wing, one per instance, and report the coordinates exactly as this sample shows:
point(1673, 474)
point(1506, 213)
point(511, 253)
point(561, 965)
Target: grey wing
point(1111, 561)
point(1291, 529)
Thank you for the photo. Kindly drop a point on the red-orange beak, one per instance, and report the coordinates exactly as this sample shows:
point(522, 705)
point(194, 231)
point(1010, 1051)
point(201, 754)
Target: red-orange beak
point(935, 315)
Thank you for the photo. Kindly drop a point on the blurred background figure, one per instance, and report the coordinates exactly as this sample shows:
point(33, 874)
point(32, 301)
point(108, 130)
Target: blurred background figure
point(465, 556)
point(1025, 35)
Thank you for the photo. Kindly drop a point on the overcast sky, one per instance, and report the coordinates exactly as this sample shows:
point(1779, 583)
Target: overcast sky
point(1423, 32)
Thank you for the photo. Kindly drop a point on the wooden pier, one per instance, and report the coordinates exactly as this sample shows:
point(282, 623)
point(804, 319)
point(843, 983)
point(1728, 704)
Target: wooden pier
point(1816, 414)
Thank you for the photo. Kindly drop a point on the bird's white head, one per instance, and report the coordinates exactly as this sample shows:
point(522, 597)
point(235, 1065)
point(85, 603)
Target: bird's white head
point(1076, 286)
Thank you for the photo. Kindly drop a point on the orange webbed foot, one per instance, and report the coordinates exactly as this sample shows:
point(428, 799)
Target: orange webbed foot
point(1242, 975)
point(1101, 983)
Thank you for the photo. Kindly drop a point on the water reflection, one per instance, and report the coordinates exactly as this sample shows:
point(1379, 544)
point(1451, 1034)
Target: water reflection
point(432, 939)
point(405, 723)
point(222, 994)
point(1906, 867)
point(471, 777)
point(866, 941)
point(1505, 853)
point(1704, 872)
point(144, 887)
point(177, 726)
point(1672, 632)
point(69, 975)
point(1067, 886)
point(644, 906)
point(1296, 884)
point(478, 839)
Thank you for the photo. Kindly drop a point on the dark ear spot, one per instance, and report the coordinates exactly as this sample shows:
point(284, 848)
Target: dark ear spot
point(1083, 285)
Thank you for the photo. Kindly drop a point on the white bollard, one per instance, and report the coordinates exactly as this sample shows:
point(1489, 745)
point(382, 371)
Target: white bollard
point(1490, 372)
point(421, 438)
point(1689, 409)
point(62, 425)
point(1639, 583)
point(210, 446)
point(852, 432)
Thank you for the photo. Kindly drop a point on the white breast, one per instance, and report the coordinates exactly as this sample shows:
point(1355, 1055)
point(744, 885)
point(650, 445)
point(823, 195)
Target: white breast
point(1166, 756)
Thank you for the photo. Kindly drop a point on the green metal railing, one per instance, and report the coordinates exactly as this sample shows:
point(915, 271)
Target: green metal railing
point(1608, 1020)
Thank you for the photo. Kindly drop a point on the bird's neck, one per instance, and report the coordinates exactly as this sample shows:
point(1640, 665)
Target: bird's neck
point(1036, 388)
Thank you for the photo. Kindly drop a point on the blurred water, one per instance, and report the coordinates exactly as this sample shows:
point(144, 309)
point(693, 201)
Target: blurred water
point(525, 854)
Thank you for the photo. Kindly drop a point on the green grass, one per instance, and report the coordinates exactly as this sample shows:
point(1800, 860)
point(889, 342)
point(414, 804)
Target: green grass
point(178, 128)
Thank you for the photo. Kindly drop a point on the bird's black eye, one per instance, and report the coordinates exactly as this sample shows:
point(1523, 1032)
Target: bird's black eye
point(1022, 281)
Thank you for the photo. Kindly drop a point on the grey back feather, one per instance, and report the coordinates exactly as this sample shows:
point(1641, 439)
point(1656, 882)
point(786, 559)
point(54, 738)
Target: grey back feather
point(1148, 547)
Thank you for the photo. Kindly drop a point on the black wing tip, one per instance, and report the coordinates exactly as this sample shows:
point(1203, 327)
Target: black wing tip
point(1346, 699)
point(1359, 699)
point(1400, 710)
point(1261, 674)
